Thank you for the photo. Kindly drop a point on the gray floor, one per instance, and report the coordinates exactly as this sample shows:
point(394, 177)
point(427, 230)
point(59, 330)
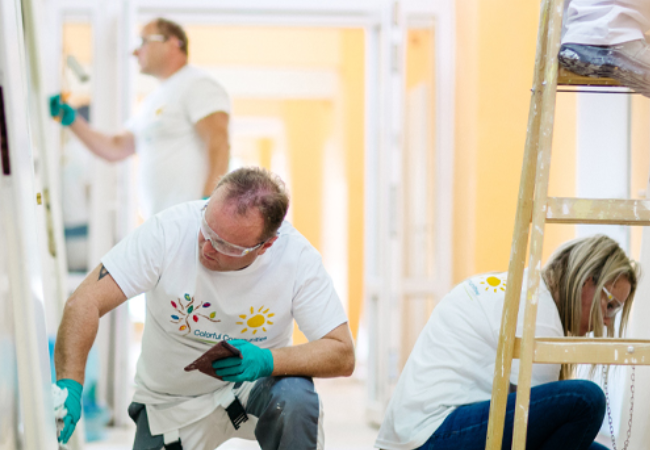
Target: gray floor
point(346, 427)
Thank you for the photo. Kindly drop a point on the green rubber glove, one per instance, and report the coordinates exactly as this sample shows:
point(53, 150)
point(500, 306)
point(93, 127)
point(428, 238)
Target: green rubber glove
point(62, 111)
point(73, 405)
point(255, 363)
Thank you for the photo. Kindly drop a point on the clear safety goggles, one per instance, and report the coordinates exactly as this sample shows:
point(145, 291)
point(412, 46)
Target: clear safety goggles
point(144, 40)
point(613, 305)
point(222, 246)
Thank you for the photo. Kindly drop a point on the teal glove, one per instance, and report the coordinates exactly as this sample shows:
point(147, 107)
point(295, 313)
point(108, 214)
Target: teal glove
point(62, 111)
point(73, 405)
point(255, 363)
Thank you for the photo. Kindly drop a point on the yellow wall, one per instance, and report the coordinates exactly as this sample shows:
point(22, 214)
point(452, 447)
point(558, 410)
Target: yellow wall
point(505, 59)
point(78, 41)
point(353, 87)
point(562, 181)
point(466, 138)
point(494, 74)
point(308, 123)
point(264, 46)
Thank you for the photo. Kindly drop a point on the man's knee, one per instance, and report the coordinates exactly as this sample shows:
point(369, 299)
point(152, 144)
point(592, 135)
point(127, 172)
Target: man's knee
point(293, 396)
point(288, 412)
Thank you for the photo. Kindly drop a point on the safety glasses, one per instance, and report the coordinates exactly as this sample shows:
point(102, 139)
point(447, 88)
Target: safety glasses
point(144, 40)
point(613, 304)
point(222, 246)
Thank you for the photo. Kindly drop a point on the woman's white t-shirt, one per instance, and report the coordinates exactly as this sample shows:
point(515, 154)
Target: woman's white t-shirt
point(174, 161)
point(190, 308)
point(452, 363)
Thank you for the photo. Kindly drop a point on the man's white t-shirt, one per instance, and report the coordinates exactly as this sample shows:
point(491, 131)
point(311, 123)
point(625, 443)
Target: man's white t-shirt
point(190, 308)
point(452, 363)
point(174, 164)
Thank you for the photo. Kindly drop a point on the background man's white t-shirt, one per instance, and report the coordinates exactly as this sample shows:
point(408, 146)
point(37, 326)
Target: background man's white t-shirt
point(190, 308)
point(452, 363)
point(173, 166)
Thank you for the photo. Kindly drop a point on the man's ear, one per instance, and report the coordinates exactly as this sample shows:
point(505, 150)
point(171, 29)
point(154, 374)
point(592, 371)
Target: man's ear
point(267, 245)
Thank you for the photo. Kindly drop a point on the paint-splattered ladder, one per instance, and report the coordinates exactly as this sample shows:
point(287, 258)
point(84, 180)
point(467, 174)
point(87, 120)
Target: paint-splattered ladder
point(535, 206)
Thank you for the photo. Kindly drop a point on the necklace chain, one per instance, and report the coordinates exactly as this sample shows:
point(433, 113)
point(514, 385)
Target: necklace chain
point(609, 410)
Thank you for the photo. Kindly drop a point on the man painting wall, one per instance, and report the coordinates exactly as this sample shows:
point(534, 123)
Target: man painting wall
point(180, 132)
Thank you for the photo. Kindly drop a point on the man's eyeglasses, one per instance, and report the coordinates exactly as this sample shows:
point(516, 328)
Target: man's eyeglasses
point(222, 246)
point(144, 40)
point(613, 304)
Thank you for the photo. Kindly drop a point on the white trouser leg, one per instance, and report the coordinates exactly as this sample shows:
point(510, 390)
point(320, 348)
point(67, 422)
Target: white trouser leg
point(213, 430)
point(216, 428)
point(605, 22)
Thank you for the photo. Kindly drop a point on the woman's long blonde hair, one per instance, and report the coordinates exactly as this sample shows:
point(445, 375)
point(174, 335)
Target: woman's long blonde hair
point(599, 258)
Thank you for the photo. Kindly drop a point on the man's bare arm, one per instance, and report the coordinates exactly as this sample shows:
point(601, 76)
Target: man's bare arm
point(97, 295)
point(330, 356)
point(110, 148)
point(213, 130)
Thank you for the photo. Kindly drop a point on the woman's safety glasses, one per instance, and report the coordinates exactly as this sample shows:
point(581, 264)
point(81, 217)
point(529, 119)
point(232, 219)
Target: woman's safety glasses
point(222, 246)
point(613, 304)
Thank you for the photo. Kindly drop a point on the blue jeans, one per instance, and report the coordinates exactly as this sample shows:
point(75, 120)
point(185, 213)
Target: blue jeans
point(564, 415)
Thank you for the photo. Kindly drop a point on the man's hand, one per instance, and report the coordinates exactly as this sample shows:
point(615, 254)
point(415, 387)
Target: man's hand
point(255, 363)
point(62, 111)
point(73, 405)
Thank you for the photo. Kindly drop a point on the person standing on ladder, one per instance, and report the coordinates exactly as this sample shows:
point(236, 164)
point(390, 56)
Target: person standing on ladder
point(180, 132)
point(231, 269)
point(442, 399)
point(607, 39)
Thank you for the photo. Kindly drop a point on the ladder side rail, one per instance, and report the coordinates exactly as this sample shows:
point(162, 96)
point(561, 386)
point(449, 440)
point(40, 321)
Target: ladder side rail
point(505, 348)
point(539, 219)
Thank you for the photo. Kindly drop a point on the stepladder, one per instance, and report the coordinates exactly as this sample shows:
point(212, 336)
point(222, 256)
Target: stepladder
point(534, 209)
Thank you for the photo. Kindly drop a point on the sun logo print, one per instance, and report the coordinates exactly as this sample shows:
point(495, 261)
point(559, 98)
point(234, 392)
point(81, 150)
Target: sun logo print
point(495, 283)
point(256, 320)
point(187, 313)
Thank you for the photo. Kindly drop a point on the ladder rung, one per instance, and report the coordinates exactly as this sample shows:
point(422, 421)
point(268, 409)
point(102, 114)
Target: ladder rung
point(567, 78)
point(604, 211)
point(589, 351)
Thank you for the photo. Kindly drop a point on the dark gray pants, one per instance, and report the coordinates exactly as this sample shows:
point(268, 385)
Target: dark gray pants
point(287, 410)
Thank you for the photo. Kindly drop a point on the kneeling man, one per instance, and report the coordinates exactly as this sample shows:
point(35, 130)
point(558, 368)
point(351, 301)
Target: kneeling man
point(230, 269)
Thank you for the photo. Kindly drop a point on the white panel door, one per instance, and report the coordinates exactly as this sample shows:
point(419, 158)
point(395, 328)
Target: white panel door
point(22, 279)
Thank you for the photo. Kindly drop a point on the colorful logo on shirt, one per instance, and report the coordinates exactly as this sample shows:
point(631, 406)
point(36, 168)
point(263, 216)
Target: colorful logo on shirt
point(495, 283)
point(190, 312)
point(256, 320)
point(160, 110)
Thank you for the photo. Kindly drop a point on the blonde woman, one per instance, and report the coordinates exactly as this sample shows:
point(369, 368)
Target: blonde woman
point(442, 398)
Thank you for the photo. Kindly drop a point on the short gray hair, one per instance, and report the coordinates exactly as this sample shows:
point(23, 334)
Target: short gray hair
point(256, 187)
point(169, 28)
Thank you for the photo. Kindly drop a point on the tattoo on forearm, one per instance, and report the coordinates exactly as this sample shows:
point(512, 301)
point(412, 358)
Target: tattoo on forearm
point(102, 272)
